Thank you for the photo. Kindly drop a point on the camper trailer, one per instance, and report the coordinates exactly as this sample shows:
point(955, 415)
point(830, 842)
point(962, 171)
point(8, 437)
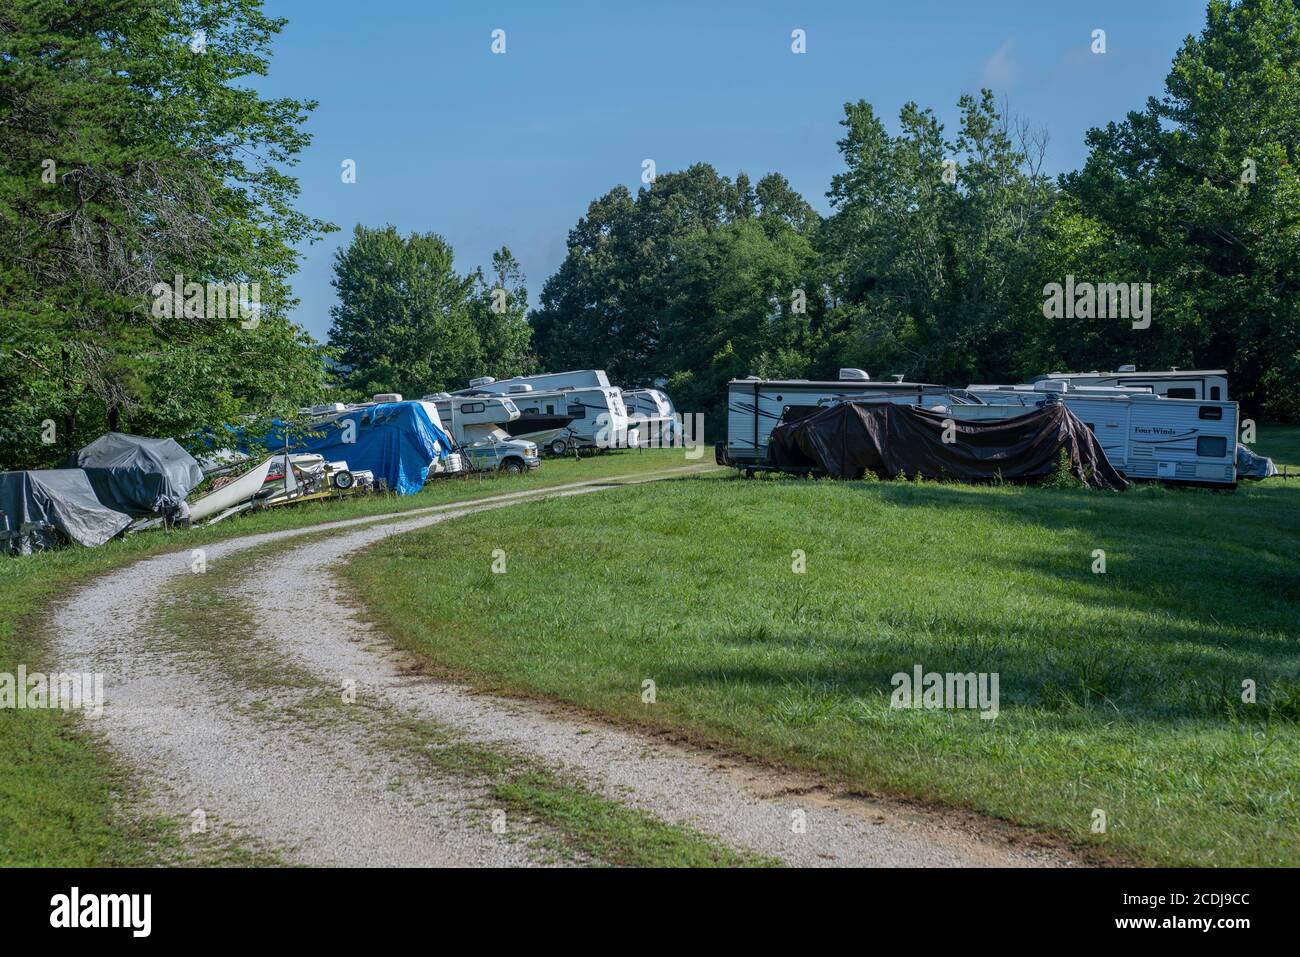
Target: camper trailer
point(544, 382)
point(1144, 435)
point(596, 416)
point(338, 412)
point(755, 406)
point(650, 412)
point(1174, 384)
point(477, 424)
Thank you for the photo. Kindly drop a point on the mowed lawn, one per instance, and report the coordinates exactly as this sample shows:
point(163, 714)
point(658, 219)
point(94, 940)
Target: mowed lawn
point(60, 792)
point(1121, 692)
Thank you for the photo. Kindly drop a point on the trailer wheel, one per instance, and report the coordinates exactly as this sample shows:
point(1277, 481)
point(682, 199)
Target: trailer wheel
point(344, 479)
point(559, 446)
point(512, 467)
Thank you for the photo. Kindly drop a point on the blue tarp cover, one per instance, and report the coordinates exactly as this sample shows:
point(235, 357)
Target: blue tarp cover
point(395, 440)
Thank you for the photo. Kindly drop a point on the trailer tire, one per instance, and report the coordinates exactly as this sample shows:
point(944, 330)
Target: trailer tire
point(344, 479)
point(559, 446)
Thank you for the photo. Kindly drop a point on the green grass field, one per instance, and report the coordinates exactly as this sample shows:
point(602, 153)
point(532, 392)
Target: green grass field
point(1120, 691)
point(58, 788)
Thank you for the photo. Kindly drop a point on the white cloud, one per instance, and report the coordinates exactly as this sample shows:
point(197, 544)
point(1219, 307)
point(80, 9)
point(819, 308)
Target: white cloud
point(1000, 70)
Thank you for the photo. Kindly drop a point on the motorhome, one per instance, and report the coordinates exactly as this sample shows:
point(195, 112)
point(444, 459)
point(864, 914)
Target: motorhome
point(477, 424)
point(755, 406)
point(1144, 435)
point(650, 412)
point(1174, 383)
point(596, 416)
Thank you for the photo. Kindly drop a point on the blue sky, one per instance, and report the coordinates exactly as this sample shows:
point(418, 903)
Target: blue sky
point(492, 150)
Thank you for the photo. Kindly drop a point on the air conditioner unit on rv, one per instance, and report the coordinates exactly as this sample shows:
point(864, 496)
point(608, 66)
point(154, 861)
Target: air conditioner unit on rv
point(516, 389)
point(856, 375)
point(481, 380)
point(1127, 368)
point(387, 397)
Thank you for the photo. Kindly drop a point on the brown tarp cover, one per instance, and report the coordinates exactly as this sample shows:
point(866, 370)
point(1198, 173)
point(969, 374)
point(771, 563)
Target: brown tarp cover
point(849, 438)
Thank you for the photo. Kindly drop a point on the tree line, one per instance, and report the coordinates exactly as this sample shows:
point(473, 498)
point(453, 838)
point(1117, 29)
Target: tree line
point(135, 173)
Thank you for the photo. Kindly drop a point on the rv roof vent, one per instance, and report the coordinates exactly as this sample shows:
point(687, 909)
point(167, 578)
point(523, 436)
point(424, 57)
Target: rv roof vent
point(1128, 368)
point(434, 396)
point(387, 397)
point(1052, 385)
point(897, 378)
point(481, 380)
point(523, 387)
point(328, 408)
point(1173, 368)
point(856, 375)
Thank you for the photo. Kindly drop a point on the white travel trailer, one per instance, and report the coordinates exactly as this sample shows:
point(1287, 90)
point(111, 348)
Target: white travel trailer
point(755, 406)
point(1175, 383)
point(545, 382)
point(594, 415)
point(1144, 435)
point(650, 412)
point(477, 425)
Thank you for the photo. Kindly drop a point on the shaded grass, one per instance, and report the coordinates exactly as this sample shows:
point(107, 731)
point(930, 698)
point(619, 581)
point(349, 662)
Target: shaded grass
point(1121, 691)
point(60, 792)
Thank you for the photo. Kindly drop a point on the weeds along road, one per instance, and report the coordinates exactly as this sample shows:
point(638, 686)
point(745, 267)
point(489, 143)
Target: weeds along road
point(262, 713)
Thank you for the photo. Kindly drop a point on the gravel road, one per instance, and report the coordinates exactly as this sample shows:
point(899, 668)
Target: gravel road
point(245, 722)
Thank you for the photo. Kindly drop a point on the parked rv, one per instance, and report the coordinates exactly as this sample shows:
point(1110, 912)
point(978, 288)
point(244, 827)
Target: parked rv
point(650, 412)
point(755, 406)
point(545, 381)
point(1144, 435)
point(428, 434)
point(477, 423)
point(594, 408)
point(1174, 383)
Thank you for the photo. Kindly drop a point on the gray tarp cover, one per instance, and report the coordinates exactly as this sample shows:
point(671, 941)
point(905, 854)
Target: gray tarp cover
point(851, 437)
point(136, 475)
point(112, 480)
point(51, 501)
point(1252, 466)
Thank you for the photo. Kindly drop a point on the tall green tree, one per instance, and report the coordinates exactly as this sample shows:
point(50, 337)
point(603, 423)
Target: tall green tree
point(499, 311)
point(404, 321)
point(742, 300)
point(927, 249)
point(605, 307)
point(1199, 193)
point(132, 154)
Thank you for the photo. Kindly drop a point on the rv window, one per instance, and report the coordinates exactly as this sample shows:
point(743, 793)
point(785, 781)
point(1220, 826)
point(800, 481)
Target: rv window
point(1182, 394)
point(1214, 392)
point(1211, 412)
point(472, 407)
point(578, 411)
point(550, 409)
point(531, 411)
point(1212, 446)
